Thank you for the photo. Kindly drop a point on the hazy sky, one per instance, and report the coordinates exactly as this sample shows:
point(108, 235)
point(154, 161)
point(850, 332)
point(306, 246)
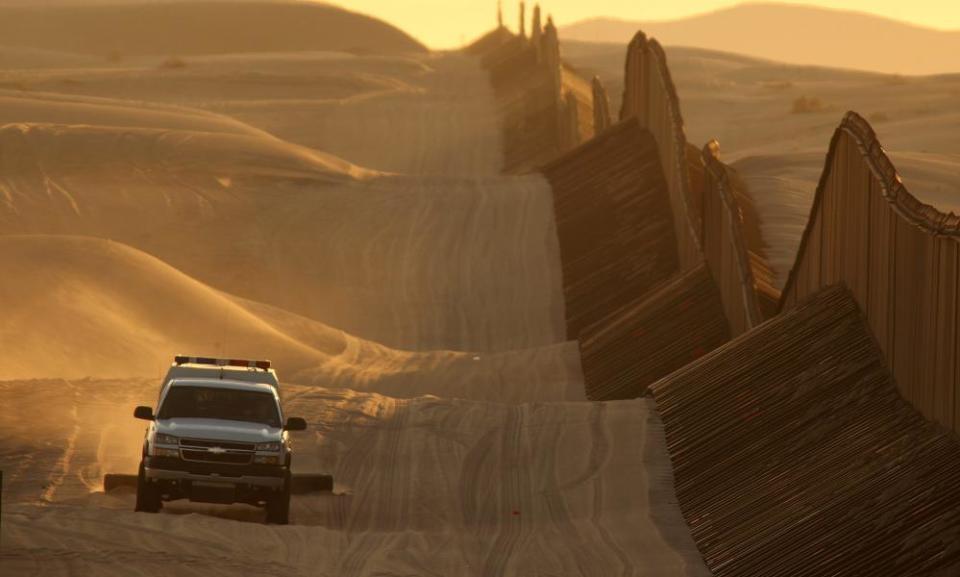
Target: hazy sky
point(450, 23)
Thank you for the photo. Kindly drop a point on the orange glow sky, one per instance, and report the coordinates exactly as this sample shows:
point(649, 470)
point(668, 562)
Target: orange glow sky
point(451, 23)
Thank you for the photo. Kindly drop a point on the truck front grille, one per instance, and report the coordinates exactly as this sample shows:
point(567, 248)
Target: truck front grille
point(232, 458)
point(222, 444)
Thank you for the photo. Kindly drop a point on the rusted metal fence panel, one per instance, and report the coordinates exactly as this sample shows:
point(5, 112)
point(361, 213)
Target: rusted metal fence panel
point(601, 107)
point(954, 391)
point(613, 223)
point(853, 219)
point(635, 81)
point(880, 294)
point(898, 255)
point(650, 97)
point(909, 277)
point(809, 260)
point(831, 223)
point(925, 349)
point(795, 455)
point(726, 247)
point(670, 326)
point(635, 317)
point(945, 378)
point(545, 109)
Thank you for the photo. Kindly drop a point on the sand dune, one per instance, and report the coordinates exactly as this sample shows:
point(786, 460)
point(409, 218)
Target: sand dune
point(209, 81)
point(362, 254)
point(400, 260)
point(19, 107)
point(332, 102)
point(797, 34)
point(60, 150)
point(184, 28)
point(86, 307)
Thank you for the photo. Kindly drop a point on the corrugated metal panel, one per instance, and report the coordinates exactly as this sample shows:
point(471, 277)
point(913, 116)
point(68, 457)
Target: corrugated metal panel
point(738, 259)
point(794, 454)
point(532, 86)
point(601, 107)
point(528, 94)
point(897, 254)
point(613, 222)
point(879, 305)
point(945, 377)
point(926, 346)
point(865, 229)
point(734, 247)
point(661, 331)
point(955, 366)
point(811, 262)
point(651, 97)
point(635, 78)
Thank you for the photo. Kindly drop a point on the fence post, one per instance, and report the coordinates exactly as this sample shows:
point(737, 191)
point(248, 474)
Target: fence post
point(523, 20)
point(601, 107)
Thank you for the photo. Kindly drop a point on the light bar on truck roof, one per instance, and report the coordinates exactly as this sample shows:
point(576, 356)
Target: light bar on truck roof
point(182, 360)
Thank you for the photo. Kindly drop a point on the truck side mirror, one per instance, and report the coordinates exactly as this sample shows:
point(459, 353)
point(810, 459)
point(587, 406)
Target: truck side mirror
point(295, 424)
point(145, 413)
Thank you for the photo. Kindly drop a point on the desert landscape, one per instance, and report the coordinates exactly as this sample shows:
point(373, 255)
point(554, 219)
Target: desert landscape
point(510, 315)
point(226, 206)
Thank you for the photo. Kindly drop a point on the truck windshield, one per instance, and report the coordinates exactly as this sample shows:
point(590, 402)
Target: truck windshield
point(216, 403)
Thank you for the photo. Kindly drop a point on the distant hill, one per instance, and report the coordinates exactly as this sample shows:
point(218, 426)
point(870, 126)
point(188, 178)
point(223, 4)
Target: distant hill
point(191, 28)
point(798, 35)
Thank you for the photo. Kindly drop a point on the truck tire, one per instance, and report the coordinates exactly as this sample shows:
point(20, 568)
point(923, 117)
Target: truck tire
point(148, 494)
point(278, 505)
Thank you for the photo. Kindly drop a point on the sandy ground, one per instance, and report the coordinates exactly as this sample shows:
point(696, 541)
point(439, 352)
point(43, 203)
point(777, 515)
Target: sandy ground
point(364, 240)
point(427, 486)
point(748, 104)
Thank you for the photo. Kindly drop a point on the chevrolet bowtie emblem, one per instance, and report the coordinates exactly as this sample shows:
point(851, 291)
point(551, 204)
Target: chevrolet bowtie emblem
point(217, 450)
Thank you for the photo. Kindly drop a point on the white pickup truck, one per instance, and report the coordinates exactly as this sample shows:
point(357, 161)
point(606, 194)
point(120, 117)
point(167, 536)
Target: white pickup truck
point(218, 436)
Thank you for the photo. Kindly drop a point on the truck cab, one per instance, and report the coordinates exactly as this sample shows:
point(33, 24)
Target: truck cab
point(218, 436)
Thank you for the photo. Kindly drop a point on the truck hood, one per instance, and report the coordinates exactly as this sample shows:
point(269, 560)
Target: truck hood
point(219, 430)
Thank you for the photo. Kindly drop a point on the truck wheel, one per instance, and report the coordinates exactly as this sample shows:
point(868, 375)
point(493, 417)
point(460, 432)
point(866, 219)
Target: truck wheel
point(148, 494)
point(278, 505)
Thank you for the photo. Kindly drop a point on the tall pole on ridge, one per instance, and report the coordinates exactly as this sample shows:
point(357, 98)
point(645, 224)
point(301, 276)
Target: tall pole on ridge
point(523, 19)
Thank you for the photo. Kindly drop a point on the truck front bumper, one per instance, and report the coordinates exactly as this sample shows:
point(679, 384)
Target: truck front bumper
point(177, 470)
point(167, 475)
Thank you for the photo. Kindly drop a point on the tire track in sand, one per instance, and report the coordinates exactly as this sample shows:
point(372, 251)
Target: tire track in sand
point(378, 499)
point(509, 507)
point(63, 465)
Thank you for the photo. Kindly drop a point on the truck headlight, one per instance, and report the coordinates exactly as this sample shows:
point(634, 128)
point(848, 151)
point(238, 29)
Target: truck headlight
point(164, 439)
point(266, 459)
point(272, 446)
